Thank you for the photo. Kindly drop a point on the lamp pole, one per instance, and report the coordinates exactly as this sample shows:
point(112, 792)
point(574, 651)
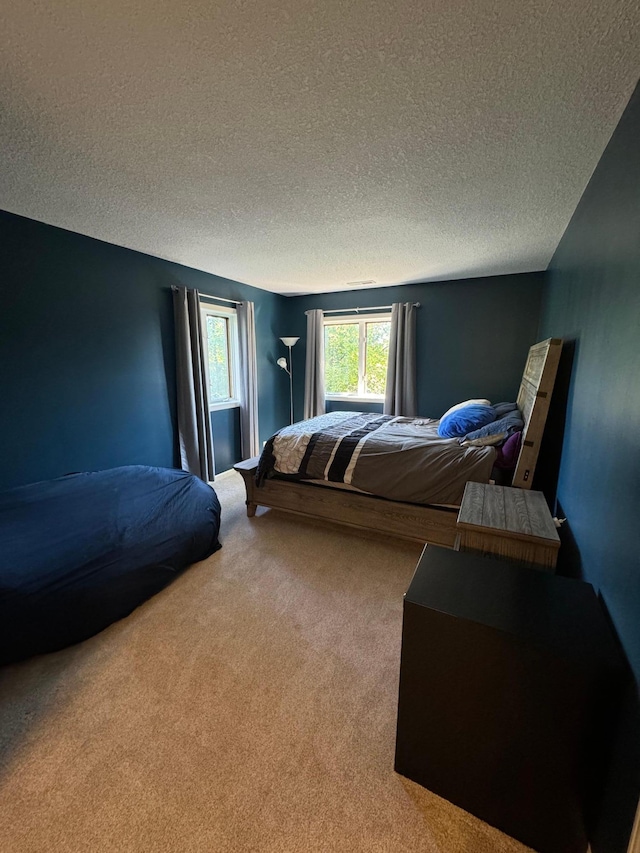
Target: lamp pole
point(291, 384)
point(290, 342)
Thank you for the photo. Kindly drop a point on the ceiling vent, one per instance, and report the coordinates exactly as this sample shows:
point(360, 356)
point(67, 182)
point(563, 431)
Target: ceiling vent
point(360, 283)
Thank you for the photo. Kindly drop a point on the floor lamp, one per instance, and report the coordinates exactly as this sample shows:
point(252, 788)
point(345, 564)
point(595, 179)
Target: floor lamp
point(282, 362)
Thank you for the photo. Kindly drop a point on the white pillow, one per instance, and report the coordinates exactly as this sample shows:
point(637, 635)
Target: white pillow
point(466, 403)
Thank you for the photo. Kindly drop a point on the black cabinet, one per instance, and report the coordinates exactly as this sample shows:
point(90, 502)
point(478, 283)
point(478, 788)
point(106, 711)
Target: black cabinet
point(507, 695)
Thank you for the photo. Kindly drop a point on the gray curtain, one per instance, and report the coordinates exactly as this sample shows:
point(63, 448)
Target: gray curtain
point(314, 369)
point(400, 396)
point(194, 424)
point(249, 438)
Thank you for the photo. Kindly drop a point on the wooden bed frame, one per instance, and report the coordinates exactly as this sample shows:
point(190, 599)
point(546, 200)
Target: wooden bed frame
point(414, 522)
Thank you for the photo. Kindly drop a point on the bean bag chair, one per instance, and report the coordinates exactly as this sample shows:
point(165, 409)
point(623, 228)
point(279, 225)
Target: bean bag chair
point(82, 551)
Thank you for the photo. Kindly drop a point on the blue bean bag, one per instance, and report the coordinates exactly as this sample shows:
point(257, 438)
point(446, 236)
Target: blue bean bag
point(82, 551)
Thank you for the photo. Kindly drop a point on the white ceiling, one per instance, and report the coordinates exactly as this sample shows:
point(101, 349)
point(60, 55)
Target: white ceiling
point(297, 145)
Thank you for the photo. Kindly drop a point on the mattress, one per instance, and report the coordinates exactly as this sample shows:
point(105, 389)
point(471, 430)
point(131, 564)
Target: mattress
point(401, 459)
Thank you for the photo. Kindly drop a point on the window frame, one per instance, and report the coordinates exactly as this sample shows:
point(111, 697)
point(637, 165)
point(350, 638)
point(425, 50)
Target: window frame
point(233, 350)
point(361, 320)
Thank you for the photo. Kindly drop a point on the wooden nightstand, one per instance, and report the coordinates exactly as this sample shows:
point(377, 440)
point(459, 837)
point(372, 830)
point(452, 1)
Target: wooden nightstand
point(514, 524)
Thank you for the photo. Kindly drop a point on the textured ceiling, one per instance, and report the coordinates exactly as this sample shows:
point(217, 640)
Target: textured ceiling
point(300, 145)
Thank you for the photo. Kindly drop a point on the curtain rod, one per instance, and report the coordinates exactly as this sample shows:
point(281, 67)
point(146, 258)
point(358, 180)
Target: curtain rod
point(358, 310)
point(220, 299)
point(217, 298)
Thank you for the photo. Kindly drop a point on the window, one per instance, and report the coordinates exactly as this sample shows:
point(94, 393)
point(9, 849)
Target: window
point(220, 330)
point(356, 351)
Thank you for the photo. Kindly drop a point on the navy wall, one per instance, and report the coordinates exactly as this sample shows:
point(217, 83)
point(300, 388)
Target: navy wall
point(87, 350)
point(472, 335)
point(593, 301)
point(225, 431)
point(348, 406)
point(87, 372)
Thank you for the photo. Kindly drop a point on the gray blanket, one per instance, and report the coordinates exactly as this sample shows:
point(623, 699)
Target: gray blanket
point(403, 459)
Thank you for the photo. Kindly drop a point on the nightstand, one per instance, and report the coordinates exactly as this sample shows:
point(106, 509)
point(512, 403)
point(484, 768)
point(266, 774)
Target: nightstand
point(509, 690)
point(508, 523)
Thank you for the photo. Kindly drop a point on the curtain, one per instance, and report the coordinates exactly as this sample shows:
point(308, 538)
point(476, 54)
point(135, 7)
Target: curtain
point(194, 424)
point(400, 396)
point(314, 368)
point(249, 438)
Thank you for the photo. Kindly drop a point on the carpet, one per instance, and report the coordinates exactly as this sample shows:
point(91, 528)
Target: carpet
point(250, 706)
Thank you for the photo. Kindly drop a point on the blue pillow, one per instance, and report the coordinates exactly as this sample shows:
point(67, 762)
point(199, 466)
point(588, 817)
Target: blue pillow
point(509, 424)
point(462, 421)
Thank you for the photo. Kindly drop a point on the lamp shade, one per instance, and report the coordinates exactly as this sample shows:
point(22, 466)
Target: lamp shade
point(282, 362)
point(289, 342)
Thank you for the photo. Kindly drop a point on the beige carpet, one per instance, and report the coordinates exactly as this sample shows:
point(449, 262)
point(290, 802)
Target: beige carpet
point(248, 707)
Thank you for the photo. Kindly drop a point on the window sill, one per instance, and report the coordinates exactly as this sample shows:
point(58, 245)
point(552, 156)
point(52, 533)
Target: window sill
point(227, 404)
point(334, 398)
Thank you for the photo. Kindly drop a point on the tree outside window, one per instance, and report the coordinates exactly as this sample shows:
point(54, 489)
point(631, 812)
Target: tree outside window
point(219, 326)
point(356, 356)
point(219, 362)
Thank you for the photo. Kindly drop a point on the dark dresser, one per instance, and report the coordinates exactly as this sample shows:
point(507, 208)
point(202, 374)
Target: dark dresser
point(508, 689)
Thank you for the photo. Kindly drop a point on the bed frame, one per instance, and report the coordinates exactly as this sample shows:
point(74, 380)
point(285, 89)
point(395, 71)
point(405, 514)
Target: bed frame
point(414, 522)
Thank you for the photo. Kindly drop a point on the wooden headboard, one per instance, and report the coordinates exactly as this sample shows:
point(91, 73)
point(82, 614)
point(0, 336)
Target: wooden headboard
point(533, 401)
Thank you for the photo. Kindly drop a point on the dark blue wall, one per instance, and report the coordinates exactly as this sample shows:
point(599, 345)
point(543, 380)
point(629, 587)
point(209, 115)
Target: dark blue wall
point(225, 431)
point(593, 301)
point(87, 375)
point(348, 406)
point(87, 350)
point(472, 335)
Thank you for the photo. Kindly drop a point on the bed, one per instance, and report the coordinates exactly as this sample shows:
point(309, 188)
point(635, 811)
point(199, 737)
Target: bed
point(79, 552)
point(372, 499)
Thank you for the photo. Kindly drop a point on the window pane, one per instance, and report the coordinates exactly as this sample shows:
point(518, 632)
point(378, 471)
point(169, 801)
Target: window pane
point(341, 358)
point(377, 356)
point(218, 348)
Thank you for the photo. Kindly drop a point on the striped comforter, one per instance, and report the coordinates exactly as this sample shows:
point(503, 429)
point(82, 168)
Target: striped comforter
point(398, 458)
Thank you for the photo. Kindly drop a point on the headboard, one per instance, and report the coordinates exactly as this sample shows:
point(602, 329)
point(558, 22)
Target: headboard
point(533, 401)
